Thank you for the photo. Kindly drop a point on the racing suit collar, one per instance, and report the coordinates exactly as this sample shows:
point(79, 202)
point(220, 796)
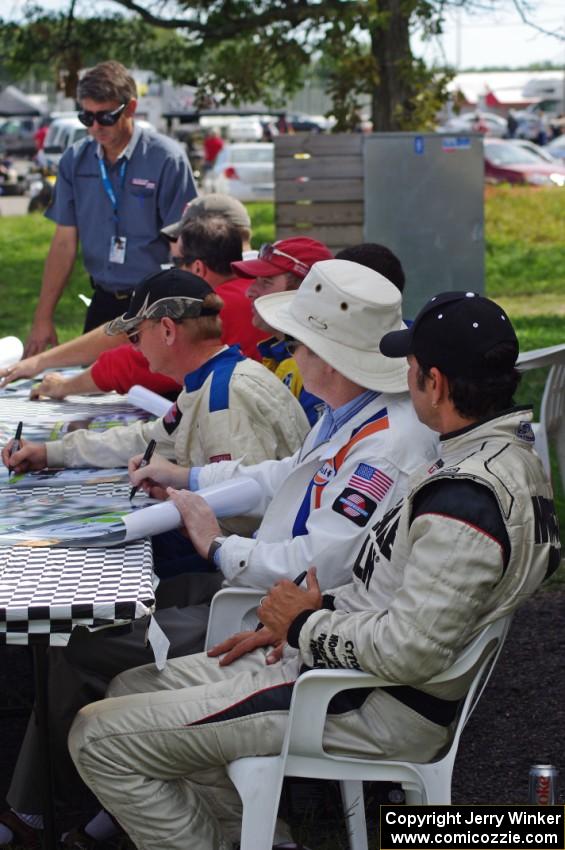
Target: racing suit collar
point(194, 380)
point(512, 424)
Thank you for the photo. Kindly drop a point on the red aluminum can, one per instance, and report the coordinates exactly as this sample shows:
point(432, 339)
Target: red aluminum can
point(543, 784)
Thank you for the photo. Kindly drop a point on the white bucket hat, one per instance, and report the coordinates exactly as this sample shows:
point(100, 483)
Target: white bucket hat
point(340, 312)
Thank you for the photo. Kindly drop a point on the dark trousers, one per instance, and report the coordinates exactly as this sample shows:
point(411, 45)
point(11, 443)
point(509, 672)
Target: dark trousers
point(104, 307)
point(174, 555)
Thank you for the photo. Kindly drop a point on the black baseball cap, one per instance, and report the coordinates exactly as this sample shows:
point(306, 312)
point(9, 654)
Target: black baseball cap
point(174, 293)
point(454, 332)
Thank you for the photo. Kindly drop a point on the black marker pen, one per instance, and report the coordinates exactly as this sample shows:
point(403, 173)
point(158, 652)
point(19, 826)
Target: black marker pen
point(144, 461)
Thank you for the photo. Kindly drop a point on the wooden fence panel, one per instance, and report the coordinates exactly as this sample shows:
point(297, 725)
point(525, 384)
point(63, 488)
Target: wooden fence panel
point(338, 144)
point(319, 188)
point(331, 191)
point(318, 167)
point(306, 212)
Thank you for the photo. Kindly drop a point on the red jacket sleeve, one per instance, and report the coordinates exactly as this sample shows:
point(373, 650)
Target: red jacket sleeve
point(121, 368)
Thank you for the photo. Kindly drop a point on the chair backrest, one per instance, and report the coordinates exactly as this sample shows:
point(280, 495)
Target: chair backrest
point(232, 610)
point(484, 650)
point(305, 731)
point(552, 415)
point(553, 399)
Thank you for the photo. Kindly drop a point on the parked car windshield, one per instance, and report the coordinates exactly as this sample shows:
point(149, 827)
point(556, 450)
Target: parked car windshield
point(510, 155)
point(258, 154)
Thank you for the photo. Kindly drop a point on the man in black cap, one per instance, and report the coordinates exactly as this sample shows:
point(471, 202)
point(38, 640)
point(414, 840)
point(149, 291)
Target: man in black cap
point(474, 538)
point(173, 319)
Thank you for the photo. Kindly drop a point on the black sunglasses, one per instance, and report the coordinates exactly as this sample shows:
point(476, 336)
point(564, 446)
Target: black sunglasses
point(179, 262)
point(105, 117)
point(291, 345)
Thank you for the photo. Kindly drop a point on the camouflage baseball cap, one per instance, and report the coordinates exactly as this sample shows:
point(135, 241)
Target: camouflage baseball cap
point(216, 203)
point(174, 293)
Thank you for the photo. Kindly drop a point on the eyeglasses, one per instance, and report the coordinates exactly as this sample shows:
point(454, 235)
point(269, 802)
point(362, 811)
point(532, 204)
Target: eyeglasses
point(268, 251)
point(105, 117)
point(179, 262)
point(291, 345)
point(134, 336)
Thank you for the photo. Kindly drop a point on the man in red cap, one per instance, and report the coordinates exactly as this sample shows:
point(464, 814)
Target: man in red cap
point(281, 267)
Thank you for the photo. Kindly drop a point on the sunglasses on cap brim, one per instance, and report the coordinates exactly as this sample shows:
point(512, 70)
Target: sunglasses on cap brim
point(268, 251)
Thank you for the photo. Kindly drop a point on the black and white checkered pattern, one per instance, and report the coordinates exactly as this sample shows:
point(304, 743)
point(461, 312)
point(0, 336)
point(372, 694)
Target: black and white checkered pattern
point(45, 593)
point(50, 410)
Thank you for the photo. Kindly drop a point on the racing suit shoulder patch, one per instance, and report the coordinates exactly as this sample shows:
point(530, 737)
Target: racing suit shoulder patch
point(355, 506)
point(172, 418)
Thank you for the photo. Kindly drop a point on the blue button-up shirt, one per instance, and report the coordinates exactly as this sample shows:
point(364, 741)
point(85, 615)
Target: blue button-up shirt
point(158, 184)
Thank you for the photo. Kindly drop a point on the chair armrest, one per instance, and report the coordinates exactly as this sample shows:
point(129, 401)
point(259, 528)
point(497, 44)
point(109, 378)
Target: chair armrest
point(312, 694)
point(232, 610)
point(314, 689)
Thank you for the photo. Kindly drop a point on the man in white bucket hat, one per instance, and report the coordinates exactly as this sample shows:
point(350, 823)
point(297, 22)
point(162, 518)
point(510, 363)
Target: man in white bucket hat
point(317, 507)
point(355, 462)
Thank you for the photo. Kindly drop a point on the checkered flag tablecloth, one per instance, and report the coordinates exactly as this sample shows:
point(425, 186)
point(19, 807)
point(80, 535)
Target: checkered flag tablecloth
point(45, 593)
point(73, 407)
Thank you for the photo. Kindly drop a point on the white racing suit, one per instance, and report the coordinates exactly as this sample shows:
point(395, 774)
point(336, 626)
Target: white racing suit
point(317, 504)
point(429, 576)
point(231, 407)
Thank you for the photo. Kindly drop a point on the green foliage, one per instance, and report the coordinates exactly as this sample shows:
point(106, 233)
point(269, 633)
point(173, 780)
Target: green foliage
point(262, 222)
point(55, 46)
point(250, 50)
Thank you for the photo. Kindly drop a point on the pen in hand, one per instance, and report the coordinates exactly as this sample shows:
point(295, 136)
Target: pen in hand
point(298, 580)
point(16, 445)
point(144, 461)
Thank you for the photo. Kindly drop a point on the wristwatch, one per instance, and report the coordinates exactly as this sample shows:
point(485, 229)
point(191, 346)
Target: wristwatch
point(214, 546)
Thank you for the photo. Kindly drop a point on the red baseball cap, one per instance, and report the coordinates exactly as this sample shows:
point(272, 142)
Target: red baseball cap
point(287, 255)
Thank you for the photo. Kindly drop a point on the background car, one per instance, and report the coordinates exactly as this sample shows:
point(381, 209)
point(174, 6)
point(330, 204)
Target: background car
point(557, 147)
point(496, 126)
point(17, 136)
point(537, 150)
point(64, 132)
point(244, 170)
point(507, 162)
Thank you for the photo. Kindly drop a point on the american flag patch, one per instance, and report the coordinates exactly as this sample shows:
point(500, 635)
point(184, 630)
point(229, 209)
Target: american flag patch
point(370, 480)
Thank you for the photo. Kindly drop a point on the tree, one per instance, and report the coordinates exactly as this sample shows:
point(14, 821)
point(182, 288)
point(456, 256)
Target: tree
point(264, 48)
point(56, 45)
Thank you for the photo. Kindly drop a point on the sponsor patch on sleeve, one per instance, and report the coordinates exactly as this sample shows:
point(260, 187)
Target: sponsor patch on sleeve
point(218, 458)
point(370, 480)
point(171, 419)
point(356, 506)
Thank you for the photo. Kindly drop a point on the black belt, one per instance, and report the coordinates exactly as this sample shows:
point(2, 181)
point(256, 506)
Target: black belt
point(118, 294)
point(440, 711)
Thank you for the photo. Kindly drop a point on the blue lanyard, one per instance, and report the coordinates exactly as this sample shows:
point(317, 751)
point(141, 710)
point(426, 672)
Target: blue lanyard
point(109, 189)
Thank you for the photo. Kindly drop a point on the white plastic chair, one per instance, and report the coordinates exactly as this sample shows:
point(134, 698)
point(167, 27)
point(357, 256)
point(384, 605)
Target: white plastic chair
point(552, 412)
point(232, 610)
point(552, 420)
point(259, 779)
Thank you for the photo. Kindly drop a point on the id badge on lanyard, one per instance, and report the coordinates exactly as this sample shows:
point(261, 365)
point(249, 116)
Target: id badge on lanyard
point(118, 243)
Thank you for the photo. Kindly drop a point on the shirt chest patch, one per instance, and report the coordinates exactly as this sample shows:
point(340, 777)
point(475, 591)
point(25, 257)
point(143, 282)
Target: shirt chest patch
point(143, 182)
point(324, 474)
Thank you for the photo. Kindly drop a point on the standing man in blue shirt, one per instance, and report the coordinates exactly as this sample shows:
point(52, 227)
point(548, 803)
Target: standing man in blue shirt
point(115, 190)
